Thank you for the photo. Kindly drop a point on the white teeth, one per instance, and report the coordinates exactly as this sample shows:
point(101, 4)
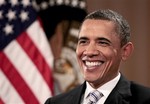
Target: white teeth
point(92, 64)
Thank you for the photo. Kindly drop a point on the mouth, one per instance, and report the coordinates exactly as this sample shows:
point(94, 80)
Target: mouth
point(91, 65)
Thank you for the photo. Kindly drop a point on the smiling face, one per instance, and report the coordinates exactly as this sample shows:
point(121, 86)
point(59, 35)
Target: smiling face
point(99, 51)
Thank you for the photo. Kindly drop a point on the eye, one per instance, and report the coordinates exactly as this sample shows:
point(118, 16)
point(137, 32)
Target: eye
point(103, 43)
point(82, 41)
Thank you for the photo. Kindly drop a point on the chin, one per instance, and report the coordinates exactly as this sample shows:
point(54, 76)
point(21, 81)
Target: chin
point(90, 78)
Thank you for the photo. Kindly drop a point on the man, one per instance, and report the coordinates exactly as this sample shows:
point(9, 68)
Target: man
point(103, 43)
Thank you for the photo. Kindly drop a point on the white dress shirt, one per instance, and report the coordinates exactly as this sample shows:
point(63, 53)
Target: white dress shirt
point(104, 89)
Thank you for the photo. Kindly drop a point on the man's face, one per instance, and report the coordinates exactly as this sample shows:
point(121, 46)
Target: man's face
point(98, 51)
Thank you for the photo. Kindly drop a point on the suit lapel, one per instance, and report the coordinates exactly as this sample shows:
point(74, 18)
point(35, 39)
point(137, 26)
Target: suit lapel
point(78, 98)
point(121, 93)
point(77, 94)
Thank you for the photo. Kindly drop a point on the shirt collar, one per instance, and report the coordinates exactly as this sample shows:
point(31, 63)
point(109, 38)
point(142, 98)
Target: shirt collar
point(105, 89)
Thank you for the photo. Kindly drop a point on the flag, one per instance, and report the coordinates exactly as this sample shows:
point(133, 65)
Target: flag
point(61, 22)
point(25, 55)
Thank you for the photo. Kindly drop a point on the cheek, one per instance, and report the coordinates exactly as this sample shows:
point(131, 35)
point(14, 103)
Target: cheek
point(79, 51)
point(113, 60)
point(110, 53)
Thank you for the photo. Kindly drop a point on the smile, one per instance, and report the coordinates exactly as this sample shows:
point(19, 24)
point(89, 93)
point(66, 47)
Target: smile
point(92, 64)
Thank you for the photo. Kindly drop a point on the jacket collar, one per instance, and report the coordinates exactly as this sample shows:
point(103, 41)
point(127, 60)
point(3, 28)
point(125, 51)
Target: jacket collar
point(121, 93)
point(77, 94)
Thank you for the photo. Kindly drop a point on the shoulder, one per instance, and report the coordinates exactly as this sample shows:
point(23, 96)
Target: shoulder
point(60, 97)
point(72, 92)
point(140, 92)
point(135, 88)
point(139, 89)
point(66, 96)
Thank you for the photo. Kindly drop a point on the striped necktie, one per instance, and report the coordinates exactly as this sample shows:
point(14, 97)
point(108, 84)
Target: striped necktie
point(93, 97)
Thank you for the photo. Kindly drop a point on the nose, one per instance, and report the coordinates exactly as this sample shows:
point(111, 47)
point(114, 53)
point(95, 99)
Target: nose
point(91, 50)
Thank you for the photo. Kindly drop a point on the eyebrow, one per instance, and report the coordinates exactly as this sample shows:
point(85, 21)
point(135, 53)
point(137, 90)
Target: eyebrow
point(99, 38)
point(85, 38)
point(102, 38)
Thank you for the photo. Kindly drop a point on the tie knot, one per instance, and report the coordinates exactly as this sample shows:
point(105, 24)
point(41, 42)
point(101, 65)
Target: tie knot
point(94, 96)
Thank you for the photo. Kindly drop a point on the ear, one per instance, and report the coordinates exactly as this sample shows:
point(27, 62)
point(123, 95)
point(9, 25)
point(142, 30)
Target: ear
point(127, 50)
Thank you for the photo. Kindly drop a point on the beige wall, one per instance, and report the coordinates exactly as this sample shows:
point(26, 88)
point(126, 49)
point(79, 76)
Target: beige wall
point(137, 12)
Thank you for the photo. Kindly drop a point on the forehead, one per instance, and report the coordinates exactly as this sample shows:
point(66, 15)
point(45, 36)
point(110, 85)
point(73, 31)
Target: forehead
point(97, 27)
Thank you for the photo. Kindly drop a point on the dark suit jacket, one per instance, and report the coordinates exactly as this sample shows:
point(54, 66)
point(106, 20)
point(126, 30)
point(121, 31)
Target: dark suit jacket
point(125, 92)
